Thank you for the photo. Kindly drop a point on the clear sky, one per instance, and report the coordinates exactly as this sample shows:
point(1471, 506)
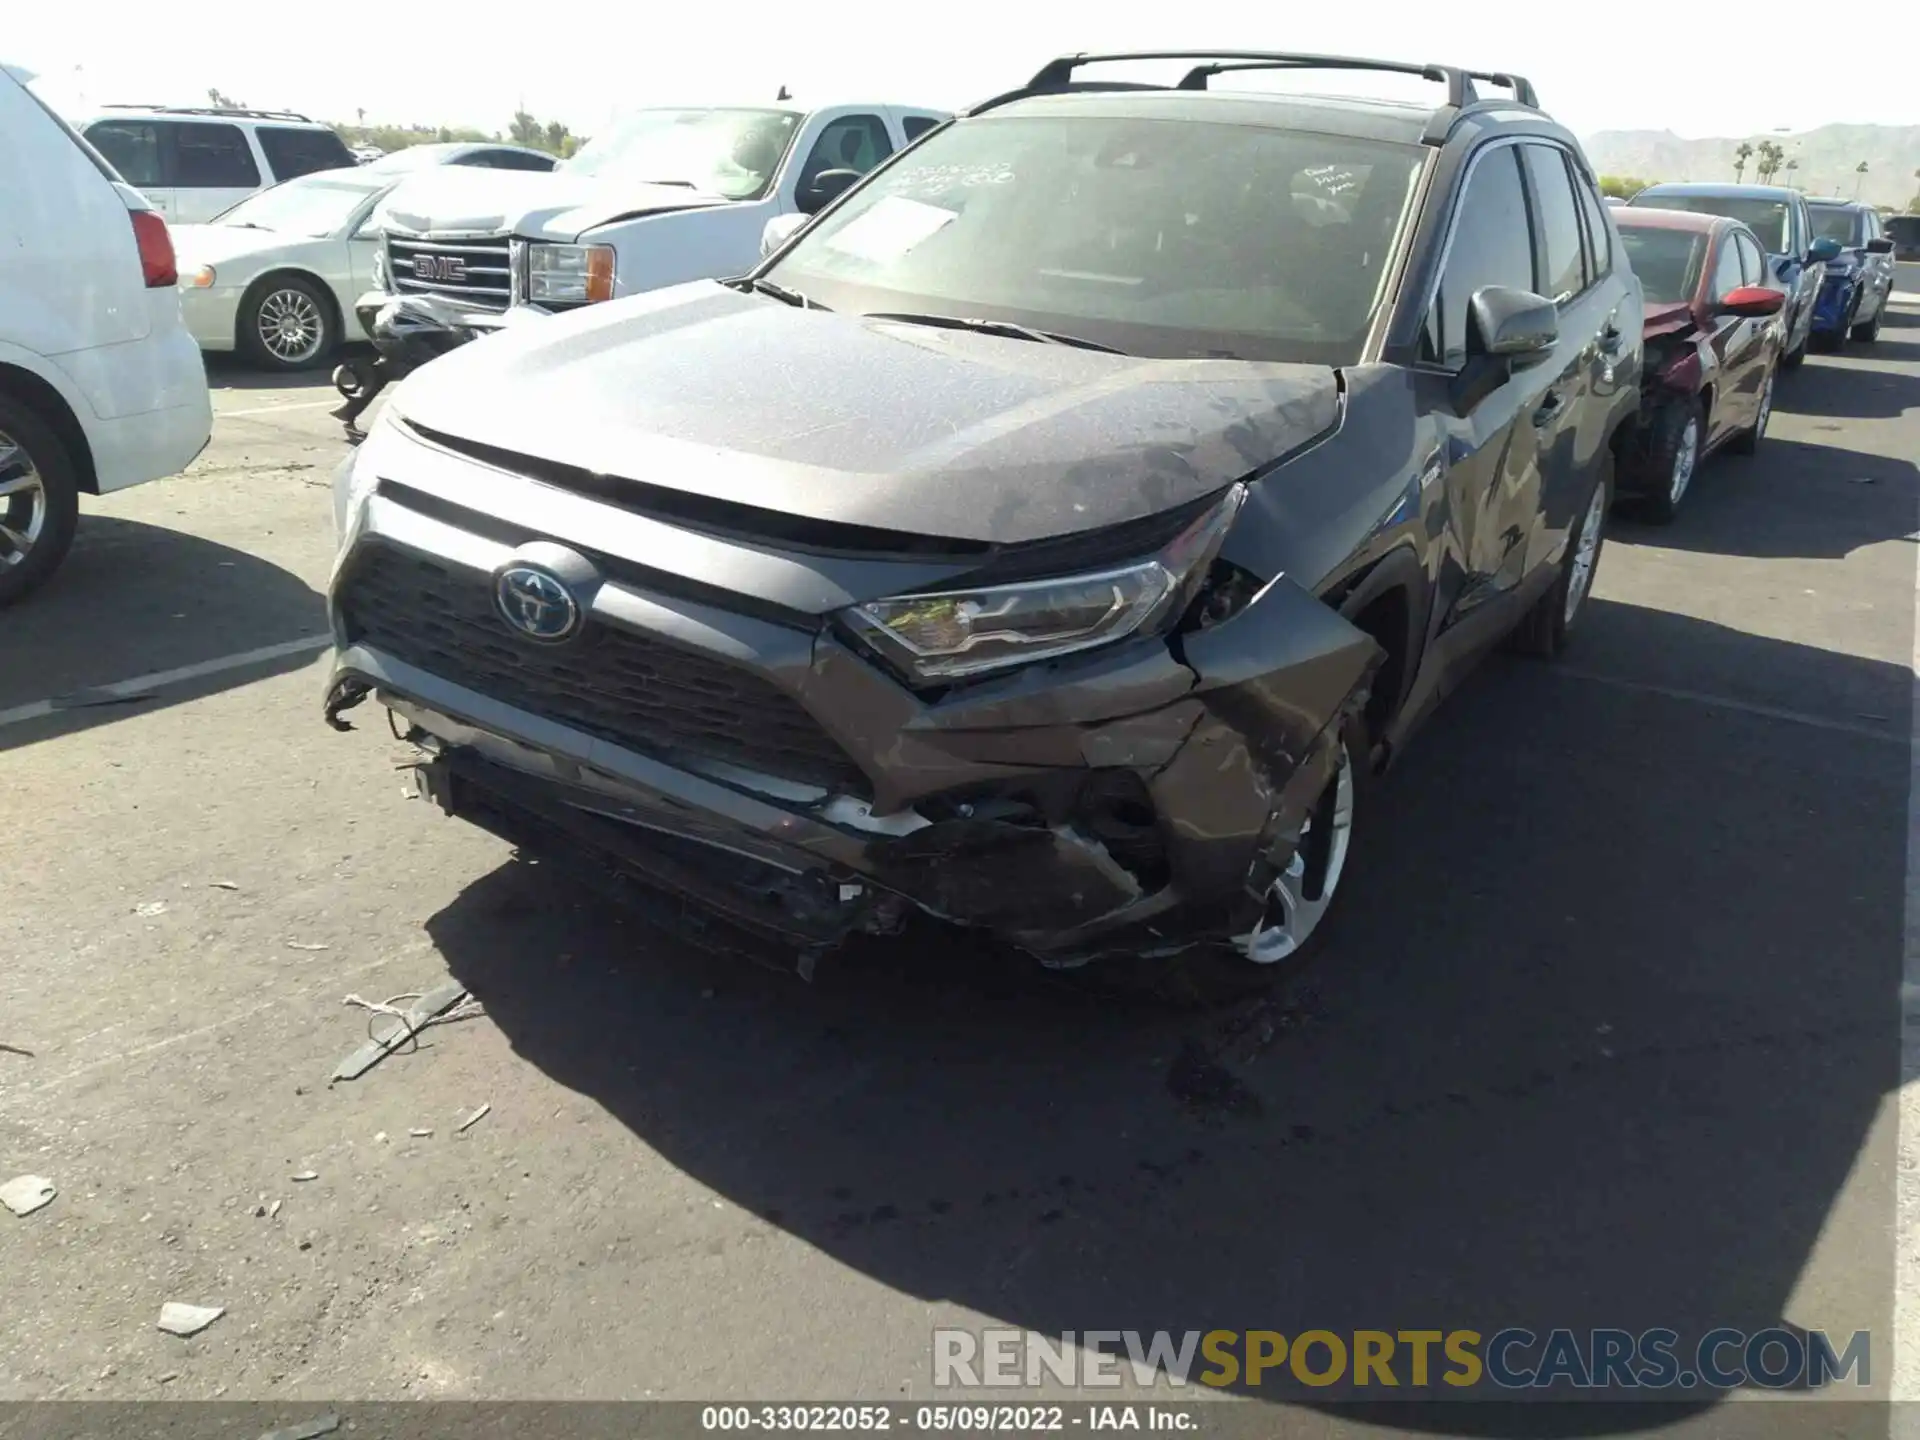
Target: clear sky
point(1698, 69)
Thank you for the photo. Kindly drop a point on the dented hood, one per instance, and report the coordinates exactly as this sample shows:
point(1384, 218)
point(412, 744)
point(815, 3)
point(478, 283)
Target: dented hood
point(540, 205)
point(1668, 318)
point(848, 420)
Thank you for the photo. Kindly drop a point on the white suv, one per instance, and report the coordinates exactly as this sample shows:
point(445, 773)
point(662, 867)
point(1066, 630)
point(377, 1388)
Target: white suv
point(101, 386)
point(193, 164)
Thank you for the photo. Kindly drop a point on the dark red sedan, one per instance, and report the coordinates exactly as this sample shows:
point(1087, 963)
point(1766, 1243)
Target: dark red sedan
point(1713, 339)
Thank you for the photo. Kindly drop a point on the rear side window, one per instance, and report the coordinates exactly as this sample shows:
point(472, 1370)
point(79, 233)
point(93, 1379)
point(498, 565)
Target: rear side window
point(132, 148)
point(1557, 221)
point(1753, 265)
point(914, 126)
point(301, 152)
point(1492, 245)
point(214, 157)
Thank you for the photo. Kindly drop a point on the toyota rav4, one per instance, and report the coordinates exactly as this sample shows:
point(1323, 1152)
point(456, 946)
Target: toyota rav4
point(1053, 536)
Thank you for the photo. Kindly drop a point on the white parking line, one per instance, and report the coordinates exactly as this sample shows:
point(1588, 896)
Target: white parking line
point(1906, 1177)
point(142, 684)
point(1744, 707)
point(276, 409)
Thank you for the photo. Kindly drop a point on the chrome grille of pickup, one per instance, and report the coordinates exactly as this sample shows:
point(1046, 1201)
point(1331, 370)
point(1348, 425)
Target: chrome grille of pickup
point(634, 691)
point(477, 270)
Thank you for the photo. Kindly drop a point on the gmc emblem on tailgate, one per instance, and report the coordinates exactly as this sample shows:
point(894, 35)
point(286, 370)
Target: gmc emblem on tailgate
point(439, 267)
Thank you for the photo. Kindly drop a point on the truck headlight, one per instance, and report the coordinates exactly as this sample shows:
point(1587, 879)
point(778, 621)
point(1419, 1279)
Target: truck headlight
point(951, 634)
point(569, 274)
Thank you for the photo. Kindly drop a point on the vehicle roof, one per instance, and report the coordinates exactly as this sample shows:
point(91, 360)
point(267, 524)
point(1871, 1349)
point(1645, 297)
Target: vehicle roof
point(1648, 217)
point(1364, 117)
point(205, 112)
point(1719, 191)
point(1835, 202)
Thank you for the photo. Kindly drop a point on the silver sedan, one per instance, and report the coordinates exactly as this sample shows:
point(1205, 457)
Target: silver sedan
point(276, 276)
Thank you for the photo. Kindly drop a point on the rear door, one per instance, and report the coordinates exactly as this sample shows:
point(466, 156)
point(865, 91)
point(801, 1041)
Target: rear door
point(138, 152)
point(213, 168)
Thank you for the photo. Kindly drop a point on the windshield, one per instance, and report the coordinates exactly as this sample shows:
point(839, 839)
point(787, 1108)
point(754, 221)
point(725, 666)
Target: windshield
point(1667, 261)
point(734, 153)
point(1769, 219)
point(1836, 222)
point(1155, 237)
point(307, 206)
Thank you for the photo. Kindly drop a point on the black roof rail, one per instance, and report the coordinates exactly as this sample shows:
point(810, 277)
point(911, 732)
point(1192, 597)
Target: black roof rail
point(230, 111)
point(1057, 76)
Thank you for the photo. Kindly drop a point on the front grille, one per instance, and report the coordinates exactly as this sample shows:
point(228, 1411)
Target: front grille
point(479, 271)
point(636, 692)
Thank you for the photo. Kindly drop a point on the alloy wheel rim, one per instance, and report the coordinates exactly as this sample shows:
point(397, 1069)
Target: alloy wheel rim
point(1291, 915)
point(23, 503)
point(1586, 551)
point(1684, 461)
point(290, 325)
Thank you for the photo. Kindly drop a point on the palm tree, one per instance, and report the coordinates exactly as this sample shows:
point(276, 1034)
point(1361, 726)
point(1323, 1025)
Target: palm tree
point(1742, 153)
point(1860, 178)
point(1792, 165)
point(1770, 158)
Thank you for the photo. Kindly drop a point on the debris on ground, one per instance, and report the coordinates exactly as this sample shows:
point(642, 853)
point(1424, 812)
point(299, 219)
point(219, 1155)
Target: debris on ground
point(306, 1175)
point(306, 945)
point(15, 1050)
point(223, 885)
point(273, 1210)
point(306, 1429)
point(150, 909)
point(179, 1319)
point(471, 1119)
point(445, 1004)
point(27, 1193)
point(380, 1138)
point(421, 1134)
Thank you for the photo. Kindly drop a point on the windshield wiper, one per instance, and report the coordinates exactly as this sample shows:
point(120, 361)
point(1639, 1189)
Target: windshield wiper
point(995, 327)
point(683, 184)
point(243, 225)
point(777, 291)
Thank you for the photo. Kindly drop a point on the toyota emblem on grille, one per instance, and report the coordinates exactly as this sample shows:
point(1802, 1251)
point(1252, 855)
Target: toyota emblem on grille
point(536, 604)
point(439, 267)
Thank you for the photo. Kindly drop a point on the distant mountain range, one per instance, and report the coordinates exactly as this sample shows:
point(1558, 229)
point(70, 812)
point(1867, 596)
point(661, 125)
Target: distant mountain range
point(1828, 157)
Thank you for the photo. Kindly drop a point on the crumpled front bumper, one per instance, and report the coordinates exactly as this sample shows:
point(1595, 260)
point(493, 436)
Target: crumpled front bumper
point(1135, 799)
point(1831, 307)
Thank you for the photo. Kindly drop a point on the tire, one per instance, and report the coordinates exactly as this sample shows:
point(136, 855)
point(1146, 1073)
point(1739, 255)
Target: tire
point(1210, 975)
point(1868, 331)
point(287, 323)
point(1748, 440)
point(1794, 359)
point(1679, 431)
point(43, 506)
point(1544, 631)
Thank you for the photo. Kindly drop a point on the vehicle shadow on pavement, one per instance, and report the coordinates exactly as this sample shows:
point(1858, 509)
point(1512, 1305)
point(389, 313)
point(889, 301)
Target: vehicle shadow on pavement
point(134, 599)
point(230, 372)
point(1855, 383)
point(1791, 499)
point(1606, 1019)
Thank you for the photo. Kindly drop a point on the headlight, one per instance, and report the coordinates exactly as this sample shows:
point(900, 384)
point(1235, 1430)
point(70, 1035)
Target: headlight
point(201, 279)
point(569, 274)
point(952, 634)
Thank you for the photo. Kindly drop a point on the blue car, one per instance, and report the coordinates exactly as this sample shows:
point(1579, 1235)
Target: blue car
point(1796, 258)
point(1859, 279)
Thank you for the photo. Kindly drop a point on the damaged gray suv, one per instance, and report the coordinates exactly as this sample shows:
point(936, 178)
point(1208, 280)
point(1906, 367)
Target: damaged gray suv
point(1051, 537)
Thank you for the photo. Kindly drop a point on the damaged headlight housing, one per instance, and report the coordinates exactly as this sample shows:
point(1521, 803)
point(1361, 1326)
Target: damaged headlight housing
point(948, 635)
point(569, 274)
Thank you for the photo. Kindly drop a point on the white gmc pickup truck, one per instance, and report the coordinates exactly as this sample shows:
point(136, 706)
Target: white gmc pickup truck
point(667, 195)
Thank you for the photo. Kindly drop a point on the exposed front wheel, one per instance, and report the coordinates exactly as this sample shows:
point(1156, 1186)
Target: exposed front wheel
point(1868, 331)
point(287, 324)
point(39, 500)
point(1794, 359)
point(1748, 440)
point(1675, 456)
point(1544, 631)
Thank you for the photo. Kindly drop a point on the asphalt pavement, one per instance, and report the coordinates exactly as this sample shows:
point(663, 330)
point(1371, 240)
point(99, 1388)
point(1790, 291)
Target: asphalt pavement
point(1608, 1033)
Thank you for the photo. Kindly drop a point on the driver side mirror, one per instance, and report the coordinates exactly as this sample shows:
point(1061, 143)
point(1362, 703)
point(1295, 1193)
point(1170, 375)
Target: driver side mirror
point(1517, 326)
point(779, 230)
point(1823, 250)
point(1882, 246)
point(825, 188)
point(1752, 301)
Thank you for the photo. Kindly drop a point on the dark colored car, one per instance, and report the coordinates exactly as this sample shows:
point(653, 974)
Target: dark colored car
point(1778, 215)
point(1859, 279)
point(1713, 343)
point(1051, 537)
point(1904, 231)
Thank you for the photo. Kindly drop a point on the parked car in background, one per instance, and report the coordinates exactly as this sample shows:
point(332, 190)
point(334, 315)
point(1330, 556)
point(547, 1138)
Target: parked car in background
point(101, 387)
point(664, 196)
point(1904, 231)
point(194, 163)
point(1713, 337)
point(276, 276)
point(485, 155)
point(1778, 216)
point(1859, 279)
point(1053, 536)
